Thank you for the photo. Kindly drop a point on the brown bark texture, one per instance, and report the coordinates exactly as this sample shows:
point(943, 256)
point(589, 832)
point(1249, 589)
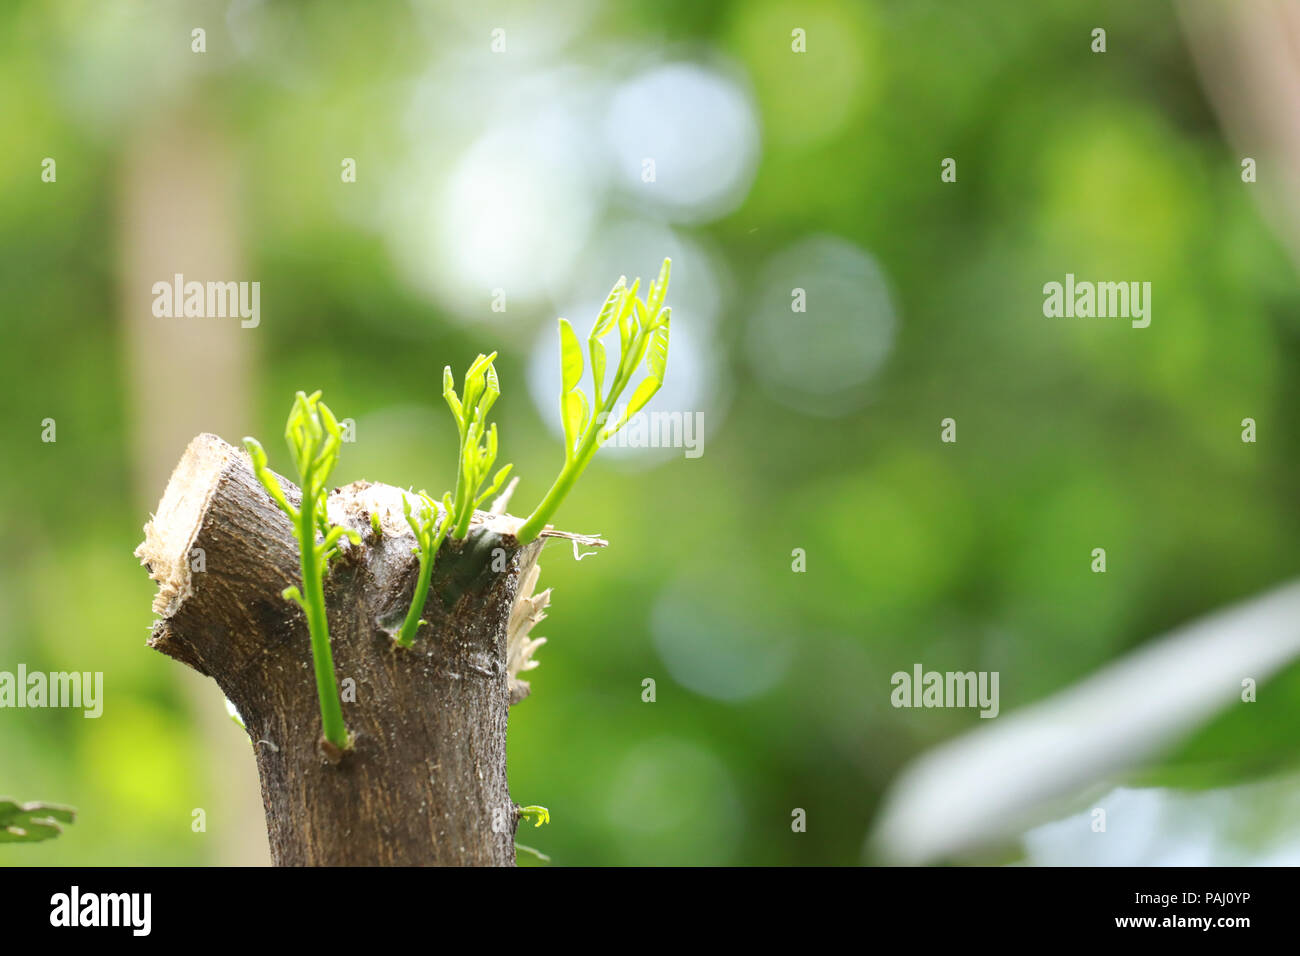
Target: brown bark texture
point(425, 780)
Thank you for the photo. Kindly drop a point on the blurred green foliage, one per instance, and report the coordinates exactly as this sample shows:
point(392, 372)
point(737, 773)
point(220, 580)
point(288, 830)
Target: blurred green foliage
point(32, 822)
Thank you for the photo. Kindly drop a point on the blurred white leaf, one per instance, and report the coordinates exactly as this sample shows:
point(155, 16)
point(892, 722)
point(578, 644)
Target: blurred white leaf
point(997, 781)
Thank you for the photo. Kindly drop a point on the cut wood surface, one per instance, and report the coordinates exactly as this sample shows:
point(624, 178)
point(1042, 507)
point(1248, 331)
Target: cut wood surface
point(425, 780)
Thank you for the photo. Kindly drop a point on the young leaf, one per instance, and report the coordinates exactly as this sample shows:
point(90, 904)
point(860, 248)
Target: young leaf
point(658, 289)
point(473, 388)
point(493, 488)
point(644, 392)
point(256, 452)
point(586, 412)
point(570, 357)
point(630, 301)
point(268, 480)
point(406, 513)
point(597, 349)
point(480, 363)
point(609, 311)
point(449, 393)
point(638, 325)
point(478, 439)
point(330, 422)
point(492, 393)
point(575, 413)
point(314, 439)
point(638, 349)
point(656, 360)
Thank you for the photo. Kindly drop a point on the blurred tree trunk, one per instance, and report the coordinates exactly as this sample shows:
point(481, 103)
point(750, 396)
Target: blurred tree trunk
point(176, 213)
point(1248, 57)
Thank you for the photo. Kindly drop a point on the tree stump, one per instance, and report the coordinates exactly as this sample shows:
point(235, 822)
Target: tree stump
point(425, 780)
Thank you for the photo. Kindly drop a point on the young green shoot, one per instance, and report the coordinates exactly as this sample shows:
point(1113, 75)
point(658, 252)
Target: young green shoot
point(314, 438)
point(643, 334)
point(543, 815)
point(478, 441)
point(429, 534)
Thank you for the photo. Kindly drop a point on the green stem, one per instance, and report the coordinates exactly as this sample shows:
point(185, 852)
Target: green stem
point(465, 512)
point(531, 528)
point(464, 486)
point(406, 637)
point(574, 467)
point(313, 600)
point(460, 467)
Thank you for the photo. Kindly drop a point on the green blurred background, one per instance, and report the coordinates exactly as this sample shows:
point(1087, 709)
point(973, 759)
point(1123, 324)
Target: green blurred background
point(522, 171)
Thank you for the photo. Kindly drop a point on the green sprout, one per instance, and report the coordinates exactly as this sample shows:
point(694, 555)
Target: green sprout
point(643, 334)
point(543, 815)
point(478, 441)
point(429, 534)
point(32, 822)
point(314, 438)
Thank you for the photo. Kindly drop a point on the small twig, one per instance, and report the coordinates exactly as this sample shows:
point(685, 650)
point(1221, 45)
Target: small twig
point(593, 540)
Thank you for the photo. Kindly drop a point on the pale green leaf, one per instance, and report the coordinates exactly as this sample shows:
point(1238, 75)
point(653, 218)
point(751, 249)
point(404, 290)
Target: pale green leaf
point(656, 360)
point(330, 422)
point(659, 289)
point(575, 414)
point(256, 452)
point(453, 401)
point(479, 364)
point(630, 301)
point(609, 311)
point(492, 392)
point(570, 357)
point(597, 349)
point(493, 488)
point(644, 392)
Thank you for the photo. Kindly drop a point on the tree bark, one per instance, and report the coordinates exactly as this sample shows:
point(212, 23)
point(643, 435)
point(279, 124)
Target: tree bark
point(425, 780)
